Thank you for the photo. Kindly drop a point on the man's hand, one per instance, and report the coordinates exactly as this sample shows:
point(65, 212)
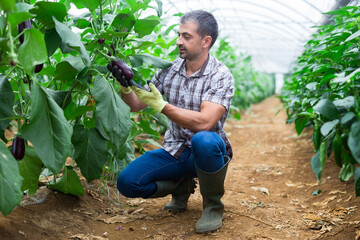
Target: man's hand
point(152, 98)
point(120, 77)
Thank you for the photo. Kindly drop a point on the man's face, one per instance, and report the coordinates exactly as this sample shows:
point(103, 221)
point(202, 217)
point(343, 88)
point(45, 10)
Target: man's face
point(189, 41)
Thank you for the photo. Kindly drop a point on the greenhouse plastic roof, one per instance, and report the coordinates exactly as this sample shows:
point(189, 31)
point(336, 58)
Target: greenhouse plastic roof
point(272, 32)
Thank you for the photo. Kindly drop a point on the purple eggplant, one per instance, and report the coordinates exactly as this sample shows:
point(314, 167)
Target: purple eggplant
point(125, 69)
point(18, 148)
point(38, 68)
point(21, 27)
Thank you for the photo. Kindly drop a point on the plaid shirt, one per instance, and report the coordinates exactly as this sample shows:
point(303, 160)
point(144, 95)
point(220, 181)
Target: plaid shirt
point(213, 82)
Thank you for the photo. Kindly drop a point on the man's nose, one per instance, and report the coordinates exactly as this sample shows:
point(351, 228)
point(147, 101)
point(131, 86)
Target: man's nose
point(179, 41)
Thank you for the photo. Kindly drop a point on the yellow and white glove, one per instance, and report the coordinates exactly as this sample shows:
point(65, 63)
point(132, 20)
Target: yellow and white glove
point(151, 98)
point(125, 90)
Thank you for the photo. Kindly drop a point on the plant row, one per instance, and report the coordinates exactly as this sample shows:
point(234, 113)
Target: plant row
point(323, 93)
point(57, 99)
point(251, 86)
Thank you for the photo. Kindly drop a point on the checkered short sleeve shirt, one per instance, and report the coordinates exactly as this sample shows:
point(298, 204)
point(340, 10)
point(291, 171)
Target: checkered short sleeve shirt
point(213, 82)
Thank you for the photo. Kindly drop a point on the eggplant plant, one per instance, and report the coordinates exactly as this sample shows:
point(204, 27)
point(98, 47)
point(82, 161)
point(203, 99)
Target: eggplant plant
point(57, 94)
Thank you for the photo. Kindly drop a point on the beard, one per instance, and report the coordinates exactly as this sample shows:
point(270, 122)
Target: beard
point(184, 54)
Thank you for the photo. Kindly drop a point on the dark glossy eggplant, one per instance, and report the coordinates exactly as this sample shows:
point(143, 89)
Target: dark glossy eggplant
point(21, 27)
point(18, 148)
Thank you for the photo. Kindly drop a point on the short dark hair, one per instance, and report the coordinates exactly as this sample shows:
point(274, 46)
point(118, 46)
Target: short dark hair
point(207, 24)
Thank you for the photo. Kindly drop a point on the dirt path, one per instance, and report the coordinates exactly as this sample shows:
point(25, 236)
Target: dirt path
point(269, 190)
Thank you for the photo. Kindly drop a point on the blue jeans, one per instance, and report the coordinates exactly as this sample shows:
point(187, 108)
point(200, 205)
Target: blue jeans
point(138, 178)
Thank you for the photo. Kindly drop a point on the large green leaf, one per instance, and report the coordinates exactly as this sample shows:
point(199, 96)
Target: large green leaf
point(62, 98)
point(32, 51)
point(124, 156)
point(124, 21)
point(344, 104)
point(144, 27)
point(352, 36)
point(357, 182)
point(90, 151)
point(326, 108)
point(346, 172)
point(6, 103)
point(72, 40)
point(113, 113)
point(354, 141)
point(327, 127)
point(65, 72)
point(139, 59)
point(7, 5)
point(73, 111)
point(348, 169)
point(45, 11)
point(10, 181)
point(69, 183)
point(318, 161)
point(20, 15)
point(52, 41)
point(48, 130)
point(338, 148)
point(348, 119)
point(30, 169)
point(89, 4)
point(300, 123)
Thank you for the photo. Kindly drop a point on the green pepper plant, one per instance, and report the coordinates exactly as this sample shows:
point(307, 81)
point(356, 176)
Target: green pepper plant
point(323, 93)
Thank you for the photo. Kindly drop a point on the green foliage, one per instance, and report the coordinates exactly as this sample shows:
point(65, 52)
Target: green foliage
point(72, 107)
point(10, 181)
point(251, 86)
point(325, 88)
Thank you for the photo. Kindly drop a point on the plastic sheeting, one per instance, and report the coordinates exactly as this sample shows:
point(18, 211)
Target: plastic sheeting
point(272, 32)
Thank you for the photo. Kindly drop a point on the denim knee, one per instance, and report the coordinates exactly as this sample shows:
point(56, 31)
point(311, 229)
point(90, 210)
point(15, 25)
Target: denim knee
point(127, 187)
point(206, 140)
point(208, 149)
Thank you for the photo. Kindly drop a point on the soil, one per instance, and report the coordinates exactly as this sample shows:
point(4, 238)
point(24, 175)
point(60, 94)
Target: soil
point(270, 194)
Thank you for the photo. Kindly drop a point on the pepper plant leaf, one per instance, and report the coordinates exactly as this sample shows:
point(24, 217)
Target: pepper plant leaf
point(90, 151)
point(69, 183)
point(300, 123)
point(10, 181)
point(48, 130)
point(327, 127)
point(326, 108)
point(354, 141)
point(318, 161)
point(357, 182)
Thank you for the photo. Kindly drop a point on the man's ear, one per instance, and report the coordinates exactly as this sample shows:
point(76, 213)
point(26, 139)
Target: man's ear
point(206, 41)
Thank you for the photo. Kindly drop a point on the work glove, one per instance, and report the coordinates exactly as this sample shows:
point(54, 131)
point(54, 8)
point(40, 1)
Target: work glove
point(151, 98)
point(119, 76)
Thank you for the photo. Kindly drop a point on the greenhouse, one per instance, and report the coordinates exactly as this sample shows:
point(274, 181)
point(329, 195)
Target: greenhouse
point(168, 119)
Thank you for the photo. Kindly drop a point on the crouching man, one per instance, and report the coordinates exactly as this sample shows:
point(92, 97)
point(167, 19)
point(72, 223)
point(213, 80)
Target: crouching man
point(198, 90)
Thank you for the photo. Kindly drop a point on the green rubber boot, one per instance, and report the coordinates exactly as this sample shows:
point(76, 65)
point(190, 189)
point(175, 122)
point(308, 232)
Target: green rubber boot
point(181, 195)
point(212, 190)
point(180, 191)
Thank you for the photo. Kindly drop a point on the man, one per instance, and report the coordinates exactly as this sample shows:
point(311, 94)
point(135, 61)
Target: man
point(198, 90)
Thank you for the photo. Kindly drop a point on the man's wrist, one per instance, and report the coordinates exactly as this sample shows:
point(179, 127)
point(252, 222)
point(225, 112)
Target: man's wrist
point(160, 106)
